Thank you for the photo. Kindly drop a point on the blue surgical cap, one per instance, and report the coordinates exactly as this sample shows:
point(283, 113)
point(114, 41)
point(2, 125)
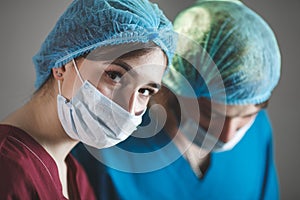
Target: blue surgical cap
point(234, 43)
point(89, 24)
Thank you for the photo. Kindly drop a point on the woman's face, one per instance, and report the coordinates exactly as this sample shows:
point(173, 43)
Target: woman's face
point(128, 81)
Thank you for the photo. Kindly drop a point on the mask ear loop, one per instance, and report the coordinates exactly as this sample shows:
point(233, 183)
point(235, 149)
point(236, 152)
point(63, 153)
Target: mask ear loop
point(59, 89)
point(77, 71)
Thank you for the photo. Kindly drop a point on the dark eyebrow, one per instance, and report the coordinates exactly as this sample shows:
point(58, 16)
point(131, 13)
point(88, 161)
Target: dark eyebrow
point(251, 114)
point(124, 65)
point(154, 85)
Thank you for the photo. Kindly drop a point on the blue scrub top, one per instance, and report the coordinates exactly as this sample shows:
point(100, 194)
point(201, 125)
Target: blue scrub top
point(245, 172)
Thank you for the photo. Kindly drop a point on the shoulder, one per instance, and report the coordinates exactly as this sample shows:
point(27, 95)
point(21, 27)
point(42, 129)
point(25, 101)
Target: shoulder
point(4, 134)
point(11, 145)
point(16, 168)
point(12, 156)
point(15, 179)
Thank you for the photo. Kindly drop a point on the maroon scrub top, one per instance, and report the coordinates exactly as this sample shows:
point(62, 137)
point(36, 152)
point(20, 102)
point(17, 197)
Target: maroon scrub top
point(27, 171)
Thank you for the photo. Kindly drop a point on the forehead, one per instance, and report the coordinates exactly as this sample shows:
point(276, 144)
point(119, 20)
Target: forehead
point(228, 110)
point(148, 66)
point(153, 56)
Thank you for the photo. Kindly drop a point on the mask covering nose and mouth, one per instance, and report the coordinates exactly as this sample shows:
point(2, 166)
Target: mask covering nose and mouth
point(207, 141)
point(94, 119)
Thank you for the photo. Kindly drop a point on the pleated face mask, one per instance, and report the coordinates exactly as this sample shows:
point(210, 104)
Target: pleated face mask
point(207, 141)
point(94, 119)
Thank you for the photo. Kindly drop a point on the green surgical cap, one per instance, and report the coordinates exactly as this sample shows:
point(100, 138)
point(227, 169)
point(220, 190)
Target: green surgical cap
point(234, 43)
point(89, 24)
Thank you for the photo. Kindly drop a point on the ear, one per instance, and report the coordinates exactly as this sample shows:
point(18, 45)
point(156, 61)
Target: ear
point(58, 73)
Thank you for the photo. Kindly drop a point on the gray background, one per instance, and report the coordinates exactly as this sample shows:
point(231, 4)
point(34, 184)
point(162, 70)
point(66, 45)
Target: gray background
point(24, 25)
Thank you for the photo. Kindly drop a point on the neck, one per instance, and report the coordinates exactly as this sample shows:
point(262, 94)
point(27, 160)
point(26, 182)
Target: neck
point(197, 157)
point(39, 119)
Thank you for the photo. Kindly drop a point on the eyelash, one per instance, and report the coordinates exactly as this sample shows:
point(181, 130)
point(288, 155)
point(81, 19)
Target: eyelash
point(151, 92)
point(249, 116)
point(113, 74)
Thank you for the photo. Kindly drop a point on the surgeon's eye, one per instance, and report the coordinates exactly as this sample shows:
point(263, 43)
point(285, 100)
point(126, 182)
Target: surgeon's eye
point(114, 75)
point(147, 92)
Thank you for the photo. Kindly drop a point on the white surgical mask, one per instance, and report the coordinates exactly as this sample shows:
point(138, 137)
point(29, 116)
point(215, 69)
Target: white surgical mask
point(209, 142)
point(94, 119)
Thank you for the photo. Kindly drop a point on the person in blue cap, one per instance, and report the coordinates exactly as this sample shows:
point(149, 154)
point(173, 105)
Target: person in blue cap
point(213, 139)
point(95, 73)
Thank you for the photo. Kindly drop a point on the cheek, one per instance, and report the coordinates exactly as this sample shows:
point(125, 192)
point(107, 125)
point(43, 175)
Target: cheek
point(141, 104)
point(105, 91)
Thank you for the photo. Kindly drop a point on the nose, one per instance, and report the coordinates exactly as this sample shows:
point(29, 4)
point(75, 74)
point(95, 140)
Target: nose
point(125, 98)
point(132, 102)
point(230, 127)
point(129, 100)
point(135, 106)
